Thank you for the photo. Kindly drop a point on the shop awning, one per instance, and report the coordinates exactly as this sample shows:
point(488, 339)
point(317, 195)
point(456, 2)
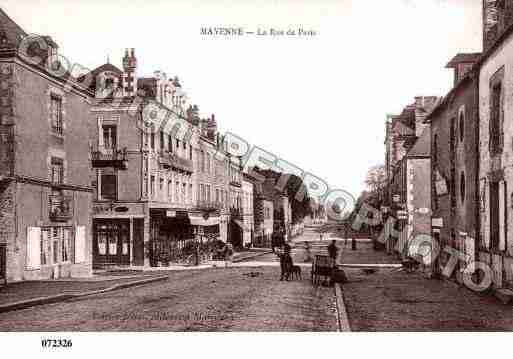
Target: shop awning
point(200, 221)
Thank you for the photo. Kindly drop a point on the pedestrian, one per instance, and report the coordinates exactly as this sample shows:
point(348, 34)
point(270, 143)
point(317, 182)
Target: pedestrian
point(228, 255)
point(333, 251)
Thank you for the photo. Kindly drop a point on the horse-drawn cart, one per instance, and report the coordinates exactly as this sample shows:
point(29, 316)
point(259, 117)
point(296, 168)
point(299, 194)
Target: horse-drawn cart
point(322, 267)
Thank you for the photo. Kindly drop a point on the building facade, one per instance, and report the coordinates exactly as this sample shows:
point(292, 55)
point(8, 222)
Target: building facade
point(454, 142)
point(45, 193)
point(496, 142)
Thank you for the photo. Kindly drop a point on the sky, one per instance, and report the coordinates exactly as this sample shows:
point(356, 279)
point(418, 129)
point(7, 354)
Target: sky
point(319, 102)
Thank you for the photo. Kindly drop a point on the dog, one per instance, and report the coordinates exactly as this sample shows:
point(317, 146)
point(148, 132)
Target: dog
point(295, 271)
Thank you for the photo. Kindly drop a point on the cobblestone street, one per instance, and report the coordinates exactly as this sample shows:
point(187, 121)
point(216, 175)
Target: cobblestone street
point(234, 299)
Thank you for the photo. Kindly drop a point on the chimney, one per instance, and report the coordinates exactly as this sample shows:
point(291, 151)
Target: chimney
point(490, 23)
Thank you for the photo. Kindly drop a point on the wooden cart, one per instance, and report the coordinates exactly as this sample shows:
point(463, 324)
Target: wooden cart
point(322, 267)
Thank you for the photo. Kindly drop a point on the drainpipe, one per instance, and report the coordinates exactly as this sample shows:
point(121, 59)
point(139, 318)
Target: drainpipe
point(477, 239)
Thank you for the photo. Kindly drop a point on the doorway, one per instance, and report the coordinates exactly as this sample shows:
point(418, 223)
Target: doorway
point(111, 242)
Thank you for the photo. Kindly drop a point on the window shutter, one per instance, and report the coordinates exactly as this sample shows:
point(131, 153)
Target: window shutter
point(33, 258)
point(80, 244)
point(502, 215)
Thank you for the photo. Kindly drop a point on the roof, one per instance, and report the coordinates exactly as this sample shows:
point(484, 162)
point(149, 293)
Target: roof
point(421, 148)
point(464, 58)
point(10, 30)
point(97, 71)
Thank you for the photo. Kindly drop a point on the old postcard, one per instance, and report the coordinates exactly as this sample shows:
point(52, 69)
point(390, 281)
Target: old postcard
point(254, 166)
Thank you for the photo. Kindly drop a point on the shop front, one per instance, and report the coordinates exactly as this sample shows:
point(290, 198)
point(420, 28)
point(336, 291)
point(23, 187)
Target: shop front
point(111, 242)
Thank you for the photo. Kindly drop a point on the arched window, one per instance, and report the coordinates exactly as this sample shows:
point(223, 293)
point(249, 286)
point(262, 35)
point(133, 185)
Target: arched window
point(462, 187)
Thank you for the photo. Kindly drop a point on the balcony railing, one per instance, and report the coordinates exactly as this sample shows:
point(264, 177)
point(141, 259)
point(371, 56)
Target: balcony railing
point(209, 206)
point(61, 208)
point(171, 160)
point(109, 158)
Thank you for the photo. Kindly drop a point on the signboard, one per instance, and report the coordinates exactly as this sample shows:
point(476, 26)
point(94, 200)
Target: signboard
point(170, 213)
point(437, 222)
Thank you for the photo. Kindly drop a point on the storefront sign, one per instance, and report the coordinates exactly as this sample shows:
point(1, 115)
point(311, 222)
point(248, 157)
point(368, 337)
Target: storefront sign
point(171, 214)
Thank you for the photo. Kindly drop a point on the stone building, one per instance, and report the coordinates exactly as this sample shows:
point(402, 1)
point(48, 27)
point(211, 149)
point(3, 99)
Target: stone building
point(45, 192)
point(454, 142)
point(248, 226)
point(144, 157)
point(495, 246)
point(407, 166)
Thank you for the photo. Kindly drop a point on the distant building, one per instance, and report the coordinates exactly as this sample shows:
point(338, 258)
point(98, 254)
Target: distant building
point(45, 192)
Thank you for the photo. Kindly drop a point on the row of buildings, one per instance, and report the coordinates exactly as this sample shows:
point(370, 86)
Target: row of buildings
point(449, 160)
point(84, 183)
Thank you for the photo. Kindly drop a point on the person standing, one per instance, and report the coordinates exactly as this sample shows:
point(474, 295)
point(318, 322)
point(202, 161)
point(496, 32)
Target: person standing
point(228, 255)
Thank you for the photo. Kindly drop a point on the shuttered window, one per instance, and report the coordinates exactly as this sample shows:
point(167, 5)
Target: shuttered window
point(33, 259)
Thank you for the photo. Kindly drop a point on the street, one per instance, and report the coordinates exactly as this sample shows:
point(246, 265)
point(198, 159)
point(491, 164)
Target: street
point(233, 299)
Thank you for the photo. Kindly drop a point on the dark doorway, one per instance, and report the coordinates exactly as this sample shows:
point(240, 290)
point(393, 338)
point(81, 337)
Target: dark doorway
point(494, 215)
point(3, 263)
point(235, 234)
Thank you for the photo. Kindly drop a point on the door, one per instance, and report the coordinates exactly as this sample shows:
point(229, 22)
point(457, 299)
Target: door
point(3, 260)
point(111, 242)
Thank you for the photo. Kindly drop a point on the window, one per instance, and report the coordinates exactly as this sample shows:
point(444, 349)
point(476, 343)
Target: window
point(462, 187)
point(162, 140)
point(177, 191)
point(461, 125)
point(184, 146)
point(208, 162)
point(152, 140)
point(435, 149)
point(217, 195)
point(495, 120)
point(56, 114)
point(55, 244)
point(184, 192)
point(177, 145)
point(57, 170)
point(152, 185)
point(108, 189)
point(109, 136)
point(170, 190)
point(66, 245)
point(170, 143)
point(162, 185)
point(45, 246)
point(190, 193)
point(190, 152)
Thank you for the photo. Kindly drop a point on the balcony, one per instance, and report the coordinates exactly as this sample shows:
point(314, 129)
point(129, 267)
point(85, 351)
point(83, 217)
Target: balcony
point(209, 206)
point(171, 160)
point(61, 208)
point(109, 158)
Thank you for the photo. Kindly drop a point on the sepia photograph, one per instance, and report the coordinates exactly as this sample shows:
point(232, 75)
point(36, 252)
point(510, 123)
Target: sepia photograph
point(268, 166)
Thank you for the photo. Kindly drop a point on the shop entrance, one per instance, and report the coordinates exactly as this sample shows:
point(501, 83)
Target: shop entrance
point(111, 242)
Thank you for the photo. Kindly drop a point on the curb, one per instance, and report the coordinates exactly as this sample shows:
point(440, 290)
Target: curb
point(64, 297)
point(343, 320)
point(238, 260)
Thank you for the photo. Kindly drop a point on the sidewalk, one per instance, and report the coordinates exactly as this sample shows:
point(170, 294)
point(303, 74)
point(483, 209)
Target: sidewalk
point(45, 290)
point(392, 300)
